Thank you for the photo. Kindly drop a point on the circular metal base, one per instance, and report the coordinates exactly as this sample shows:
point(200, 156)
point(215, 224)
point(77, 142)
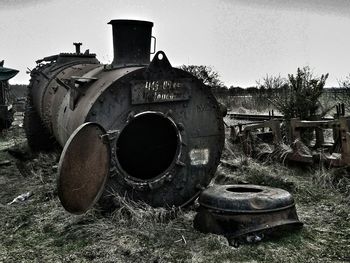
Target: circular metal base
point(238, 210)
point(245, 198)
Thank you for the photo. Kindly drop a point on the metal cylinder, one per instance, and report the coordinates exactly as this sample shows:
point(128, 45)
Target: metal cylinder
point(165, 127)
point(131, 42)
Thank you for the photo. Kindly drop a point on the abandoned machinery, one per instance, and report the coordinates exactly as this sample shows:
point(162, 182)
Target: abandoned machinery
point(330, 143)
point(245, 213)
point(6, 111)
point(141, 129)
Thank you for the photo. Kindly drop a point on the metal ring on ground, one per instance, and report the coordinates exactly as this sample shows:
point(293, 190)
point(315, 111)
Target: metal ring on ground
point(245, 198)
point(238, 210)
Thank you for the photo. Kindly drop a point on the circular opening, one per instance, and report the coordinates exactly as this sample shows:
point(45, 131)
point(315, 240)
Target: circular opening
point(243, 190)
point(160, 56)
point(147, 146)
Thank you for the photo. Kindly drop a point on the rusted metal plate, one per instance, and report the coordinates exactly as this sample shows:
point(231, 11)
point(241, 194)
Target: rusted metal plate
point(239, 210)
point(245, 198)
point(7, 73)
point(237, 227)
point(83, 168)
point(144, 91)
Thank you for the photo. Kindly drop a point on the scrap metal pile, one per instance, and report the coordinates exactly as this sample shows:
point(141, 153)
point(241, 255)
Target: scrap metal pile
point(245, 213)
point(329, 142)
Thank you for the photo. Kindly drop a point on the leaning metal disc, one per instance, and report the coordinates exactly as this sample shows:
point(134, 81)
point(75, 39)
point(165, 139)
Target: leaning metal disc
point(83, 168)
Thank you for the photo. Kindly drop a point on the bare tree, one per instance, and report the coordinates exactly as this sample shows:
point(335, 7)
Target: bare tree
point(271, 82)
point(206, 74)
point(272, 87)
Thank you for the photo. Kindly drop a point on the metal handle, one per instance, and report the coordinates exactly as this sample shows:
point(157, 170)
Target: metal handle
point(154, 45)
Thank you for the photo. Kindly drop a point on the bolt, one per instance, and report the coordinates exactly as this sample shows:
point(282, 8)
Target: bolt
point(180, 126)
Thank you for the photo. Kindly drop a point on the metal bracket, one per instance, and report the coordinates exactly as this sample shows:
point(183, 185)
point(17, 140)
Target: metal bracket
point(64, 83)
point(159, 68)
point(110, 136)
point(73, 85)
point(113, 134)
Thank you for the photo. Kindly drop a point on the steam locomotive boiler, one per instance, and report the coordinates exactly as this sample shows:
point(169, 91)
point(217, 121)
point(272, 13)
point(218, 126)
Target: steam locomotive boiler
point(140, 128)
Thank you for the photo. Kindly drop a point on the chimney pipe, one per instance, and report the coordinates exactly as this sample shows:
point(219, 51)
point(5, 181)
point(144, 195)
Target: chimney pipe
point(77, 47)
point(131, 42)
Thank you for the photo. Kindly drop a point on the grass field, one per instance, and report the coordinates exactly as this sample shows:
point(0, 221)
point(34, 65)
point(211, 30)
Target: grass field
point(39, 230)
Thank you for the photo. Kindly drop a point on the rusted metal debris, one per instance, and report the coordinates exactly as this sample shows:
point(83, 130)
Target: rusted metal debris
point(6, 111)
point(335, 153)
point(254, 117)
point(163, 125)
point(262, 117)
point(245, 213)
point(341, 136)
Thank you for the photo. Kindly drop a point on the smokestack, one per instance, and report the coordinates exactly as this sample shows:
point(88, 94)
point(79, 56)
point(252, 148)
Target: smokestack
point(77, 47)
point(131, 42)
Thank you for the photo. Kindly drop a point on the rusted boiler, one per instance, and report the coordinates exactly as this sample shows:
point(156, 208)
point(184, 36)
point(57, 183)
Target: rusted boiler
point(137, 127)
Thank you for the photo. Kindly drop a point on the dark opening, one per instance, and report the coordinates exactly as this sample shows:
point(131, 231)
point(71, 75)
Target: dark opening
point(243, 190)
point(147, 146)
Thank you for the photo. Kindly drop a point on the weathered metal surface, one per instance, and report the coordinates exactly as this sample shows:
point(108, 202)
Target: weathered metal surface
point(253, 117)
point(6, 111)
point(160, 91)
point(245, 198)
point(199, 121)
point(273, 135)
point(238, 210)
point(131, 42)
point(341, 135)
point(174, 140)
point(45, 87)
point(260, 117)
point(83, 168)
point(335, 153)
point(6, 117)
point(7, 73)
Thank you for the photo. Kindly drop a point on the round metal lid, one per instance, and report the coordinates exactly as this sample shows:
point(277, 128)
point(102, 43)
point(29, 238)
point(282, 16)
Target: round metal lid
point(83, 168)
point(245, 198)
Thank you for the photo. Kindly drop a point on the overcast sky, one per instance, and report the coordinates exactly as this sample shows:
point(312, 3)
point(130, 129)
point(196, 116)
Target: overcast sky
point(242, 39)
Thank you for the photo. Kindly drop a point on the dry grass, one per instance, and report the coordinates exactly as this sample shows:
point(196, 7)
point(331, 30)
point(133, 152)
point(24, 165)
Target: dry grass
point(39, 230)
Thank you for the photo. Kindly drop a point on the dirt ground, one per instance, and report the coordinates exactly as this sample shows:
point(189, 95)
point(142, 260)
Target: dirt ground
point(39, 230)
